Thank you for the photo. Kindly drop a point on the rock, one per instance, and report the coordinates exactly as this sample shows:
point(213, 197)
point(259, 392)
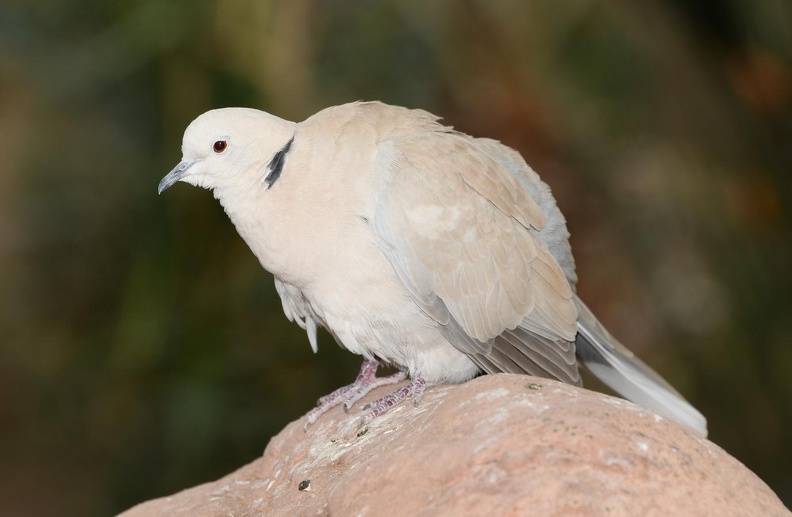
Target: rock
point(497, 445)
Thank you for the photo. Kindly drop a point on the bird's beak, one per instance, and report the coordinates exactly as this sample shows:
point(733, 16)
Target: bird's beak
point(173, 176)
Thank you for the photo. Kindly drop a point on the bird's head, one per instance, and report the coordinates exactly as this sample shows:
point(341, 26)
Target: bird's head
point(222, 145)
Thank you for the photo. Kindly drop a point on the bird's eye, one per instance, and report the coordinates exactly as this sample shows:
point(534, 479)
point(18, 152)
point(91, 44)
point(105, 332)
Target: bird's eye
point(220, 146)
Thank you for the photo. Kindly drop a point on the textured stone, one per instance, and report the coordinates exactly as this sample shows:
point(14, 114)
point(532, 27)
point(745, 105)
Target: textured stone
point(497, 445)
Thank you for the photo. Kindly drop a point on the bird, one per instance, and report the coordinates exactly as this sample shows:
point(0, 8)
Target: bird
point(414, 245)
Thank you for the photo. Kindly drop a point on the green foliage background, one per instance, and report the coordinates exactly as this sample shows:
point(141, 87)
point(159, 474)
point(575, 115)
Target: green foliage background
point(142, 348)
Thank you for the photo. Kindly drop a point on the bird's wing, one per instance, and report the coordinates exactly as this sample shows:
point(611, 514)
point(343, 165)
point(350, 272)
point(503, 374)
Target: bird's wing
point(298, 310)
point(461, 234)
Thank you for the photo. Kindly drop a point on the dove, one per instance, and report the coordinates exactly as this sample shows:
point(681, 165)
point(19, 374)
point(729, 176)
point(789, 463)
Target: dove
point(415, 246)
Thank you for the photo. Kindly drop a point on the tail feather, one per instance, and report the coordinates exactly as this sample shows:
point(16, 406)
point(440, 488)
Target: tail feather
point(617, 367)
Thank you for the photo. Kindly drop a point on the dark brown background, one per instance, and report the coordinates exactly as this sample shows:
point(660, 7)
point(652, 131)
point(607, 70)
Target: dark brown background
point(143, 349)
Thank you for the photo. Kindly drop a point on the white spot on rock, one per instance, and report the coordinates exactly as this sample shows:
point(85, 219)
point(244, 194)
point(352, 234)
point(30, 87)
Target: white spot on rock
point(492, 394)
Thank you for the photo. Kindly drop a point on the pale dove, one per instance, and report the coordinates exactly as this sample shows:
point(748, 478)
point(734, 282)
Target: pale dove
point(414, 245)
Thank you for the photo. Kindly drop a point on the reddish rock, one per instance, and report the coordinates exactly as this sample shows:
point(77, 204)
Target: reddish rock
point(497, 445)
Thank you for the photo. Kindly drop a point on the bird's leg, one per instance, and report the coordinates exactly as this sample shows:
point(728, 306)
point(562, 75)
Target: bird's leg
point(388, 402)
point(366, 381)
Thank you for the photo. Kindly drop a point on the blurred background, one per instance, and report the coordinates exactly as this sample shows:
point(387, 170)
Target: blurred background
point(142, 348)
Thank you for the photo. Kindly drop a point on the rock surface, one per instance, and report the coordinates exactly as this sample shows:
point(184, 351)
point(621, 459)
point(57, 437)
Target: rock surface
point(497, 445)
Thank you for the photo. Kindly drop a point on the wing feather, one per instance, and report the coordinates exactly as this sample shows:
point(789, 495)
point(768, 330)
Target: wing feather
point(463, 236)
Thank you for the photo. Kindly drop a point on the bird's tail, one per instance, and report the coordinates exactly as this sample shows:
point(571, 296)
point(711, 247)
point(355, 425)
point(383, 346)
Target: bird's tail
point(617, 367)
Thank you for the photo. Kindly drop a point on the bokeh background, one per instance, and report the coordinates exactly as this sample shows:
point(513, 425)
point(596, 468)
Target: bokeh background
point(142, 348)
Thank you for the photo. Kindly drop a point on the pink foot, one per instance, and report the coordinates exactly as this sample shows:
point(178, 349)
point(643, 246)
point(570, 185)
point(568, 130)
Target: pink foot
point(388, 402)
point(366, 381)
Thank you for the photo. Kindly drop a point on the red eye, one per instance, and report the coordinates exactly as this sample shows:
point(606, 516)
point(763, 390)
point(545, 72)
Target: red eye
point(219, 146)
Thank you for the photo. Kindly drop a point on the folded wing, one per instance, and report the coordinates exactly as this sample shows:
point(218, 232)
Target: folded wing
point(462, 235)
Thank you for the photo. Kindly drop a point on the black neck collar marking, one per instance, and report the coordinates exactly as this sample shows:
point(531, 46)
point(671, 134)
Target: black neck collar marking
point(275, 166)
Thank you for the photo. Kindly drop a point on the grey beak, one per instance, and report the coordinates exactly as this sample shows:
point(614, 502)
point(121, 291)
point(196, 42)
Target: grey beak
point(173, 176)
